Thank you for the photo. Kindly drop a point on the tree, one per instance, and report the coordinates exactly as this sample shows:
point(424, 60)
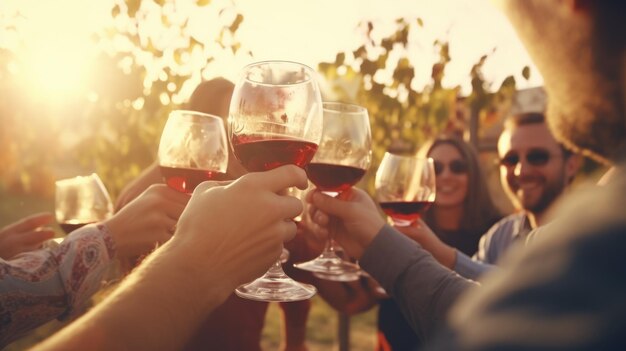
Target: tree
point(153, 54)
point(379, 75)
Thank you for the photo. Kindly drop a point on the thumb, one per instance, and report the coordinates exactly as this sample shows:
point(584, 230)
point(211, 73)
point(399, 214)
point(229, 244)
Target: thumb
point(329, 205)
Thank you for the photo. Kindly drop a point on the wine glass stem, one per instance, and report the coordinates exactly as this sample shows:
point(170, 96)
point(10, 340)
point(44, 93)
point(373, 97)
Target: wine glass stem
point(276, 270)
point(331, 245)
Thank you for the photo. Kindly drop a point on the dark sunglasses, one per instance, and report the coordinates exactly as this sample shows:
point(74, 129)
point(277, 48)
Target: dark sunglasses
point(535, 157)
point(455, 166)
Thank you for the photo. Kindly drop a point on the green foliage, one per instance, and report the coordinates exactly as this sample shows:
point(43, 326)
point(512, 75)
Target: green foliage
point(403, 118)
point(146, 69)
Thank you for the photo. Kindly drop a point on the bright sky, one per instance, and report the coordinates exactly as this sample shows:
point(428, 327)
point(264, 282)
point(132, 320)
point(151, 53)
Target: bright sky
point(313, 31)
point(298, 30)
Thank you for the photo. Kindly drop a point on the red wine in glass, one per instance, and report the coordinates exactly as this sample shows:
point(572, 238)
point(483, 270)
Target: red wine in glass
point(185, 180)
point(70, 226)
point(257, 155)
point(333, 178)
point(405, 211)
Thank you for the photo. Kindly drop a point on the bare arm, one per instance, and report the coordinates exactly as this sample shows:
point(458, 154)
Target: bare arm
point(166, 298)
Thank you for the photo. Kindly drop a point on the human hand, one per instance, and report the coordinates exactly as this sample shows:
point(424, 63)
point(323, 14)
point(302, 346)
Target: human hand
point(423, 235)
point(24, 235)
point(358, 218)
point(151, 175)
point(146, 221)
point(236, 232)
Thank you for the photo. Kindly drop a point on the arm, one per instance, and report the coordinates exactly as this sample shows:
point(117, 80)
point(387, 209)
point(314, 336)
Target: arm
point(422, 287)
point(167, 297)
point(38, 286)
point(446, 255)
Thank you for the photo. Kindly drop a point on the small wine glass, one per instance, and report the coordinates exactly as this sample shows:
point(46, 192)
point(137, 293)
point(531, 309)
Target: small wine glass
point(192, 149)
point(342, 158)
point(81, 200)
point(275, 119)
point(405, 187)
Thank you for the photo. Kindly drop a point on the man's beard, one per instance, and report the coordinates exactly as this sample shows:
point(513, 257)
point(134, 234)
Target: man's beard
point(550, 193)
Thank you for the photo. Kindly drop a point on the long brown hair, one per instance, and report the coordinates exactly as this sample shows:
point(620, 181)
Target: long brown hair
point(479, 210)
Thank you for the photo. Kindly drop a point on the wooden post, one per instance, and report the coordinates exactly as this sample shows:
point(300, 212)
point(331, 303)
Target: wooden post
point(343, 331)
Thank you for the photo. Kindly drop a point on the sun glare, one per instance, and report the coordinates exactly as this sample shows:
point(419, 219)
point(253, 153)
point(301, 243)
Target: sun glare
point(56, 49)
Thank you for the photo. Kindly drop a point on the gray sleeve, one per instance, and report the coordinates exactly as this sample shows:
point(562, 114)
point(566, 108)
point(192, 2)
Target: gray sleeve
point(423, 288)
point(469, 268)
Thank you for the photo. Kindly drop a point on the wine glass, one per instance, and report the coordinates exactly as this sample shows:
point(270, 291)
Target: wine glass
point(275, 119)
point(299, 194)
point(81, 200)
point(342, 158)
point(192, 149)
point(405, 187)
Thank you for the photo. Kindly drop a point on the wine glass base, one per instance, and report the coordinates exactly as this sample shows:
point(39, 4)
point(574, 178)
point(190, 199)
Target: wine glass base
point(331, 268)
point(282, 289)
point(345, 277)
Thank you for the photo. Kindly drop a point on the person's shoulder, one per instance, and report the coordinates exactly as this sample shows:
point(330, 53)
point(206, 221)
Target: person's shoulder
point(505, 226)
point(592, 208)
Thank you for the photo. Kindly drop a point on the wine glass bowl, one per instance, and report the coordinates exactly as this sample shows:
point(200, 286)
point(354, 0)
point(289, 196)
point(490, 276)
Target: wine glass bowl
point(193, 149)
point(342, 158)
point(275, 119)
point(81, 200)
point(405, 187)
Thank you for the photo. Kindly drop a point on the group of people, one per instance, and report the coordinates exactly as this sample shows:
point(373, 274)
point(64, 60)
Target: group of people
point(560, 276)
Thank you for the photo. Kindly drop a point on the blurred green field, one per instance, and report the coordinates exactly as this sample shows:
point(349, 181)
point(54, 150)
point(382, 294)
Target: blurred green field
point(321, 327)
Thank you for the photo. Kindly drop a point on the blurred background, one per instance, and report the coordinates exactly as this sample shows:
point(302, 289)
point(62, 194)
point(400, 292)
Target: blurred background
point(86, 86)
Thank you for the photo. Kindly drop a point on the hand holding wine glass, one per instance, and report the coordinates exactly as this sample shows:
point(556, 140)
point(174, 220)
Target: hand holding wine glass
point(81, 200)
point(405, 187)
point(342, 159)
point(27, 234)
point(192, 149)
point(275, 120)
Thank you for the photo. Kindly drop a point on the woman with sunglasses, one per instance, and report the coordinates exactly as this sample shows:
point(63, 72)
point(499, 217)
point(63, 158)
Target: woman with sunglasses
point(462, 212)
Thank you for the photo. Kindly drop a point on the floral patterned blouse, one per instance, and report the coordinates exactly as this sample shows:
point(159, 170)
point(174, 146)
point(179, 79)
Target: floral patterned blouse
point(39, 286)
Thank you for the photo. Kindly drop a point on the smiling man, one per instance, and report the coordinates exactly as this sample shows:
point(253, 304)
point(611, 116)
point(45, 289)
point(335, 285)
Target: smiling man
point(534, 170)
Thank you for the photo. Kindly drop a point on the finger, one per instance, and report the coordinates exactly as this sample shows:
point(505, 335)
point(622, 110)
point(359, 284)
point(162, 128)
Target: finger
point(170, 194)
point(329, 205)
point(169, 224)
point(30, 222)
point(287, 206)
point(172, 210)
point(286, 230)
point(322, 218)
point(279, 178)
point(34, 237)
point(204, 186)
point(124, 200)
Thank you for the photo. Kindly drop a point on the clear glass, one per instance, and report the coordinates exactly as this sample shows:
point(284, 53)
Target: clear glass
point(405, 187)
point(192, 149)
point(81, 200)
point(342, 158)
point(275, 119)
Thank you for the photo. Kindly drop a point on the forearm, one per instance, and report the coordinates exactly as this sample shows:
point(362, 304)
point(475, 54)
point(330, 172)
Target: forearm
point(422, 287)
point(470, 268)
point(39, 286)
point(156, 308)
